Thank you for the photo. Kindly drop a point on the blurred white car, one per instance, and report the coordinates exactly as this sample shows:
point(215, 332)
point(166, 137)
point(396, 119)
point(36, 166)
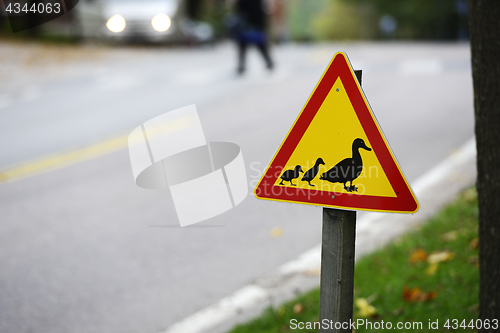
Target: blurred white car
point(139, 20)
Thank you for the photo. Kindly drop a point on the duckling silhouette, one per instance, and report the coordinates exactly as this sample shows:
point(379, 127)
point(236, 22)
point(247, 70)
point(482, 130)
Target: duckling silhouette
point(311, 173)
point(290, 175)
point(348, 169)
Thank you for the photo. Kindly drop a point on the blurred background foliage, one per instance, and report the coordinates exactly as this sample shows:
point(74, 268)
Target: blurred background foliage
point(377, 19)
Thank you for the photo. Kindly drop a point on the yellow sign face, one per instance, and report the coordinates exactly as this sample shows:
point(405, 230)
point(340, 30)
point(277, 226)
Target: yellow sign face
point(335, 154)
point(330, 137)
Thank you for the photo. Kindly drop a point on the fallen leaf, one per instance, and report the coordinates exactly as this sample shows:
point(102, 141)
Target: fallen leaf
point(416, 295)
point(450, 236)
point(298, 308)
point(474, 244)
point(411, 295)
point(276, 232)
point(431, 270)
point(418, 255)
point(431, 295)
point(438, 257)
point(365, 308)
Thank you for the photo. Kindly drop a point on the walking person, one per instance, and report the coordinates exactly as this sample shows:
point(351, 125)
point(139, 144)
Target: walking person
point(251, 29)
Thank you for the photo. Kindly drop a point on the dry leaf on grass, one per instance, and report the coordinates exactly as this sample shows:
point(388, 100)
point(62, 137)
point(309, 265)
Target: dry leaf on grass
point(416, 295)
point(418, 255)
point(438, 257)
point(431, 270)
point(474, 244)
point(298, 308)
point(435, 258)
point(365, 308)
point(450, 236)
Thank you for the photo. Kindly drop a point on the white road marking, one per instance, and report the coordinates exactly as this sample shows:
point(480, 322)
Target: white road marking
point(307, 261)
point(464, 154)
point(251, 295)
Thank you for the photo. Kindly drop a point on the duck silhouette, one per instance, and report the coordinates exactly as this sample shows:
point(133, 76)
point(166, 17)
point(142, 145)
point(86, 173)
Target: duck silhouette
point(290, 175)
point(348, 169)
point(311, 173)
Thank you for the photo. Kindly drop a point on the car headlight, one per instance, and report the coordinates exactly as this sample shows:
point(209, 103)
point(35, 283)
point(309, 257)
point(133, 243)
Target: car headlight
point(116, 23)
point(161, 22)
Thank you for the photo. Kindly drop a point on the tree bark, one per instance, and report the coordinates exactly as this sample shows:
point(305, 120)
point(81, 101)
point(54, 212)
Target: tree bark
point(485, 50)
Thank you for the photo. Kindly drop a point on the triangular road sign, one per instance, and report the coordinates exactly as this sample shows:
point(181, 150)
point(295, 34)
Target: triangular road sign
point(335, 154)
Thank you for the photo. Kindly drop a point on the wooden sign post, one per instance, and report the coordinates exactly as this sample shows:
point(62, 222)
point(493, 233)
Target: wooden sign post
point(337, 269)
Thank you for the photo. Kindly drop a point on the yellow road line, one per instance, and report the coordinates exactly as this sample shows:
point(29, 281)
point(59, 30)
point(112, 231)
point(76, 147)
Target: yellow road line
point(56, 161)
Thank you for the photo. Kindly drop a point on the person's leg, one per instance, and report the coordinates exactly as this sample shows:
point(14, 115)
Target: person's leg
point(264, 50)
point(242, 48)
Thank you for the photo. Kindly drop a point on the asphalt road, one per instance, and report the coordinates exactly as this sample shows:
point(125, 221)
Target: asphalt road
point(85, 250)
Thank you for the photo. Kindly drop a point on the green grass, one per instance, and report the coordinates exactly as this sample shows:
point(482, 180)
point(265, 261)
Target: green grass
point(382, 276)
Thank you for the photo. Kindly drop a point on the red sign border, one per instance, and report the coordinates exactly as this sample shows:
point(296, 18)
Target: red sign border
point(404, 202)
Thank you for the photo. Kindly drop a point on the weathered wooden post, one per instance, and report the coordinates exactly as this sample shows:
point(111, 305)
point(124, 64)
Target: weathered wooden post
point(337, 269)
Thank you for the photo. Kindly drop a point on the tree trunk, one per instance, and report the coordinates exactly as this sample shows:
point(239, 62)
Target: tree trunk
point(485, 48)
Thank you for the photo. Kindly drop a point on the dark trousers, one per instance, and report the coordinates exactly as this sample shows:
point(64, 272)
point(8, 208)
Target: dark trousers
point(242, 50)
